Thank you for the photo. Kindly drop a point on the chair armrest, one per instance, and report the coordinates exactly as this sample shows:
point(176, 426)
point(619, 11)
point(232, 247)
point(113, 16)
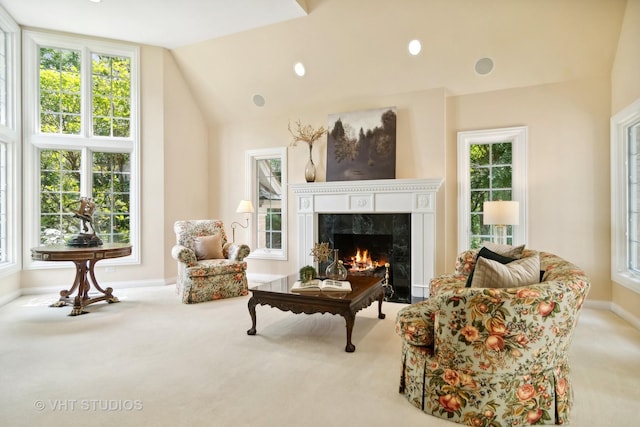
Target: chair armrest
point(465, 262)
point(235, 252)
point(184, 255)
point(446, 282)
point(414, 323)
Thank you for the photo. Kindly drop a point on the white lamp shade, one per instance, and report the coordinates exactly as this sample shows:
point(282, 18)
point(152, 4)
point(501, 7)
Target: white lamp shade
point(245, 206)
point(501, 212)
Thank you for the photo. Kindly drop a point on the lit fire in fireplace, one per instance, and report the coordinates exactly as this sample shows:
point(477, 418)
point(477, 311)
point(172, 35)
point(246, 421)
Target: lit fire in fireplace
point(362, 261)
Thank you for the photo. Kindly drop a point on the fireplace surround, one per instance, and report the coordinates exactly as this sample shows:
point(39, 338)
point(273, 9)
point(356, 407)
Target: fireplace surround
point(367, 241)
point(416, 197)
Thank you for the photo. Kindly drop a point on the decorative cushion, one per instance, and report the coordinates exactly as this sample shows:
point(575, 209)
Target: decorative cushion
point(505, 250)
point(208, 247)
point(485, 252)
point(492, 274)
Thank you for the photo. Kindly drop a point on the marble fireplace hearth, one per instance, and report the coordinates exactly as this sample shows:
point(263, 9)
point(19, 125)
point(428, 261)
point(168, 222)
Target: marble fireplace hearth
point(414, 197)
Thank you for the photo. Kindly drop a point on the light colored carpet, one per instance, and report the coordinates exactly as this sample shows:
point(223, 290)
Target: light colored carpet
point(150, 360)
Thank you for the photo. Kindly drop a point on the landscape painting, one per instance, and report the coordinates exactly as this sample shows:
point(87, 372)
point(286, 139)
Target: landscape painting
point(362, 145)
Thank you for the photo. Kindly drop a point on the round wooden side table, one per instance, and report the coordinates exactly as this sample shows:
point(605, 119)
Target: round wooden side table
point(85, 259)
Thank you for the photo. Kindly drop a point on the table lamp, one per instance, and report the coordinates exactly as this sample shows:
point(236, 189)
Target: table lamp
point(500, 214)
point(244, 207)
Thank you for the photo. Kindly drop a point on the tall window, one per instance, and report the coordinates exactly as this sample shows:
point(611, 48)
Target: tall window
point(267, 189)
point(270, 204)
point(3, 202)
point(9, 144)
point(625, 191)
point(82, 135)
point(490, 177)
point(633, 136)
point(491, 166)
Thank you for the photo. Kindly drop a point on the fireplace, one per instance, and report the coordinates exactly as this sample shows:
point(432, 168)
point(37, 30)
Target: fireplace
point(411, 199)
point(362, 253)
point(367, 242)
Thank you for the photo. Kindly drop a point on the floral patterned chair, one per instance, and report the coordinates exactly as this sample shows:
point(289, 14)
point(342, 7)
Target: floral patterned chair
point(209, 267)
point(493, 356)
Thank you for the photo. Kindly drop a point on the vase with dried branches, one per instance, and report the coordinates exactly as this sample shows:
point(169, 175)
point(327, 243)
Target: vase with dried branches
point(309, 135)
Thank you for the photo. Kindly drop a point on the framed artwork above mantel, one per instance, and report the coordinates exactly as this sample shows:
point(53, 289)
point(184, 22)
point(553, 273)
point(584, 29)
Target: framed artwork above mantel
point(361, 145)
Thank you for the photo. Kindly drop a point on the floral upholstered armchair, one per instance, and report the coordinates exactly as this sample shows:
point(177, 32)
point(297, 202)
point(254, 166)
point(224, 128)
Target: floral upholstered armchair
point(485, 356)
point(209, 267)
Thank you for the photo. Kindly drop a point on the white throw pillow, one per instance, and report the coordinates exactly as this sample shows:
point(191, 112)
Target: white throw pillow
point(492, 274)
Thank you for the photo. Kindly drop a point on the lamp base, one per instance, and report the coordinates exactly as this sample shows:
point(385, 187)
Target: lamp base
point(500, 234)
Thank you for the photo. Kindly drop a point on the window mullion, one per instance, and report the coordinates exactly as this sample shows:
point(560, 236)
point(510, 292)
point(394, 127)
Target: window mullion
point(86, 85)
point(86, 182)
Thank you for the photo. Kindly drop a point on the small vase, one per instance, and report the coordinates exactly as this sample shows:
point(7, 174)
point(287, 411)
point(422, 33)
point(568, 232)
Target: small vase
point(310, 169)
point(336, 270)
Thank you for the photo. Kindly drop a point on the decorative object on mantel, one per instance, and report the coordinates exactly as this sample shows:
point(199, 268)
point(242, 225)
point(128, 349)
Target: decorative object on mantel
point(336, 270)
point(362, 145)
point(87, 236)
point(309, 135)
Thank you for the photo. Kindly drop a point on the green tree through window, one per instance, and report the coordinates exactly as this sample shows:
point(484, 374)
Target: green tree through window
point(270, 200)
point(491, 171)
point(111, 95)
point(60, 104)
point(111, 180)
point(59, 191)
point(85, 152)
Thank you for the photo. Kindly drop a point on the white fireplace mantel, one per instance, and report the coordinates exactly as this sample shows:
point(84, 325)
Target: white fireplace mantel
point(414, 196)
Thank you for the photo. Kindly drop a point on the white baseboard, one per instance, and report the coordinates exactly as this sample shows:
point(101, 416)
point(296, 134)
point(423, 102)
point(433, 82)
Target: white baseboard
point(598, 304)
point(626, 315)
point(608, 305)
point(9, 297)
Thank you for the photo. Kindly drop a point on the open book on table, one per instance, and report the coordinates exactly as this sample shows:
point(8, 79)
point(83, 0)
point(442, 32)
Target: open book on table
point(322, 285)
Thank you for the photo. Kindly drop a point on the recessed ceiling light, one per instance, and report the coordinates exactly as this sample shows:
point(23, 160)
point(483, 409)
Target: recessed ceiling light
point(95, 1)
point(258, 100)
point(484, 66)
point(415, 47)
point(299, 69)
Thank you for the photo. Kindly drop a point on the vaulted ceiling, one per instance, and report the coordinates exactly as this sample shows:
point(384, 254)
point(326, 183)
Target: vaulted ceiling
point(167, 23)
point(352, 49)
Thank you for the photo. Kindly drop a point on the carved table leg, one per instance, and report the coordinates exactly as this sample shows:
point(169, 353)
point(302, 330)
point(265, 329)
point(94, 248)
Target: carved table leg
point(65, 294)
point(350, 318)
point(252, 312)
point(108, 292)
point(83, 289)
point(381, 315)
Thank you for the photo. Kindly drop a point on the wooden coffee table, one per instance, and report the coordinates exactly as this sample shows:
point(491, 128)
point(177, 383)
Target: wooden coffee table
point(365, 290)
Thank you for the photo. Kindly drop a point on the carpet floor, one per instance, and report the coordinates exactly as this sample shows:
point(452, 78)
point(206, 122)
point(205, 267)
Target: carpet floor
point(150, 360)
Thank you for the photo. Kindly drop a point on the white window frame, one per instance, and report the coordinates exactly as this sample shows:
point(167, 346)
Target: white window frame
point(620, 124)
point(11, 136)
point(518, 137)
point(252, 190)
point(34, 139)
